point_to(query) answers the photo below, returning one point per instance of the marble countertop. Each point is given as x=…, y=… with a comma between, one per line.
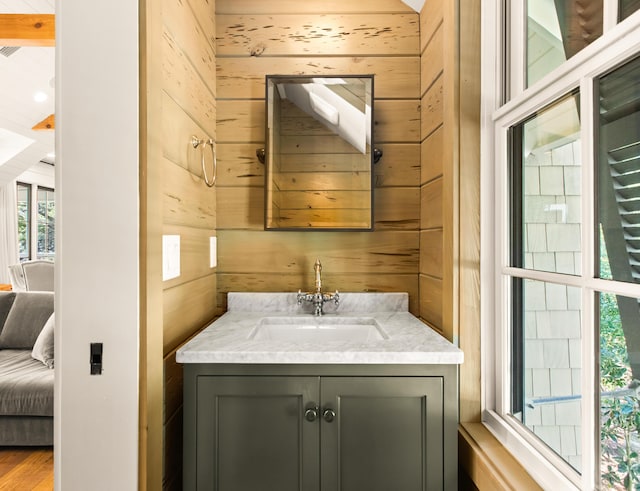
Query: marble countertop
x=229, y=339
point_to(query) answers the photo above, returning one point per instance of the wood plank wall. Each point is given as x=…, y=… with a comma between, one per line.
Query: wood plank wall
x=189, y=207
x=179, y=101
x=450, y=206
x=256, y=38
x=433, y=249
x=469, y=223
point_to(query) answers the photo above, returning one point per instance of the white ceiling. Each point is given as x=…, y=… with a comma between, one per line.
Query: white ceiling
x=22, y=74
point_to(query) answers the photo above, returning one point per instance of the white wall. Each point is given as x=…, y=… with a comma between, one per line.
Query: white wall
x=97, y=264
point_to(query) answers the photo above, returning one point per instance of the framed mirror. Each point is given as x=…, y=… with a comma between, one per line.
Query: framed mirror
x=319, y=153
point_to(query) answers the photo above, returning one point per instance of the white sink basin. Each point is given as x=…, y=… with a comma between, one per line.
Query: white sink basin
x=318, y=329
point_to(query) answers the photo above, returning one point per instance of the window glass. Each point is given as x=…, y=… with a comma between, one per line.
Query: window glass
x=626, y=8
x=619, y=379
x=24, y=221
x=546, y=176
x=618, y=173
x=46, y=223
x=557, y=30
x=547, y=365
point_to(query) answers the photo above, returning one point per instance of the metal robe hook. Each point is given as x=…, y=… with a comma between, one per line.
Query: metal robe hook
x=196, y=142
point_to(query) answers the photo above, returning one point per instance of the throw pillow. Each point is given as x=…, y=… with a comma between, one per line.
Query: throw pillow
x=28, y=314
x=43, y=347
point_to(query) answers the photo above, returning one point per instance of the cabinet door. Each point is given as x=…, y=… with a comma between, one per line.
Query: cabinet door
x=382, y=433
x=252, y=434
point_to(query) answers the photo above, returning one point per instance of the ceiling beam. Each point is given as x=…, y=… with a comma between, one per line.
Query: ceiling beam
x=47, y=123
x=27, y=30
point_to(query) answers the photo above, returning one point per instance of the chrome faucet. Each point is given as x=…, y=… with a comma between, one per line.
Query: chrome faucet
x=318, y=298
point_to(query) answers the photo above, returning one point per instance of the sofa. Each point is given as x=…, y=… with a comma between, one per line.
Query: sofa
x=26, y=368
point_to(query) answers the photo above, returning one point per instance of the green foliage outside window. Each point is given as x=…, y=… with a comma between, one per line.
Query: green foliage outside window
x=620, y=408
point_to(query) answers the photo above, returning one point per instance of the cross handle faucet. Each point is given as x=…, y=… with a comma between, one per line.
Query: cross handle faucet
x=318, y=298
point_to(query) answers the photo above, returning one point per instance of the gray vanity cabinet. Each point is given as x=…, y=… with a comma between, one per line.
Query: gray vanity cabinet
x=252, y=435
x=386, y=433
x=317, y=433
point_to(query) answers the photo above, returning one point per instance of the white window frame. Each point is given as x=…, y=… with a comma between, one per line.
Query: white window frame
x=34, y=187
x=618, y=43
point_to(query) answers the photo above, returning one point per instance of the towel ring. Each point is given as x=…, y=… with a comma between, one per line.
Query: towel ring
x=196, y=142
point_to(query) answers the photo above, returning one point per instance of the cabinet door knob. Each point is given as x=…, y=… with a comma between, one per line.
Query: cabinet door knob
x=329, y=415
x=311, y=414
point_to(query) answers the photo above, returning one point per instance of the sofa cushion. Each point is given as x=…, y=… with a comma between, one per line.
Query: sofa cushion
x=43, y=347
x=26, y=385
x=6, y=301
x=26, y=319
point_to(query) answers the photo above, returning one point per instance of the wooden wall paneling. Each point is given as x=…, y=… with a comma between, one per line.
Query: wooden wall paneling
x=332, y=280
x=432, y=62
x=177, y=129
x=181, y=21
x=431, y=155
x=295, y=6
x=432, y=108
x=469, y=324
x=399, y=165
x=430, y=19
x=432, y=205
x=240, y=207
x=395, y=77
x=173, y=382
x=431, y=253
x=396, y=121
x=186, y=199
x=172, y=417
x=150, y=416
x=450, y=175
x=241, y=121
x=397, y=208
x=238, y=165
x=434, y=163
x=329, y=34
x=187, y=76
x=187, y=308
x=255, y=260
x=194, y=253
x=356, y=252
x=431, y=297
x=204, y=12
x=185, y=85
x=172, y=468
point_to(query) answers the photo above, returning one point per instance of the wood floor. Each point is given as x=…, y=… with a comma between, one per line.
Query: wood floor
x=26, y=469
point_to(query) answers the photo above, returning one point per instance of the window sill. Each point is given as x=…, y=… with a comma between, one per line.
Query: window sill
x=488, y=463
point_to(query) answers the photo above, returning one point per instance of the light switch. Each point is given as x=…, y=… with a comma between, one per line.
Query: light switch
x=213, y=252
x=170, y=257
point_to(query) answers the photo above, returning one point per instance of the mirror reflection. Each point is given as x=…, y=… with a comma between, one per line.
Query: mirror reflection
x=319, y=153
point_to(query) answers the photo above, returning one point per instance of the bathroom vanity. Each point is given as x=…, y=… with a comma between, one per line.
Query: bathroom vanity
x=364, y=397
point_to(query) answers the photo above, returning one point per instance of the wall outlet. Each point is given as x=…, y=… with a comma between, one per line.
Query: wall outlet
x=170, y=257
